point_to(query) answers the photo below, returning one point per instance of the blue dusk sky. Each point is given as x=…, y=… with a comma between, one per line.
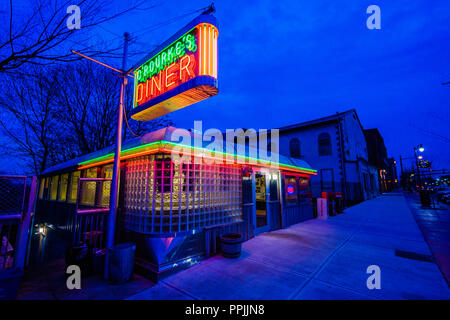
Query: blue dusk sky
x=284, y=62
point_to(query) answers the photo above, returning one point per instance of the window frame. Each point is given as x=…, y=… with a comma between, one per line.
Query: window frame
x=54, y=184
x=62, y=190
x=321, y=145
x=298, y=153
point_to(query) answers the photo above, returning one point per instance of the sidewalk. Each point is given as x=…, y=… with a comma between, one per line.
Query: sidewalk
x=320, y=259
x=315, y=259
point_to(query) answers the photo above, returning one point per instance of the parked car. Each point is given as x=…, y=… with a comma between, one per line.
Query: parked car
x=446, y=198
x=442, y=192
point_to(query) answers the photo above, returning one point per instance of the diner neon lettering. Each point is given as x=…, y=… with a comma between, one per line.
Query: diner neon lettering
x=186, y=44
x=166, y=79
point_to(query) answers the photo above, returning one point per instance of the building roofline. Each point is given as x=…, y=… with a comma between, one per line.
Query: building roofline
x=374, y=131
x=320, y=121
x=159, y=141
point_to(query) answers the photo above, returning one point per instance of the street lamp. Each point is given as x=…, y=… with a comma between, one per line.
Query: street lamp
x=419, y=148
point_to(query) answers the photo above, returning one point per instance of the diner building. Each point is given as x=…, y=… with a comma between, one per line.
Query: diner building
x=174, y=211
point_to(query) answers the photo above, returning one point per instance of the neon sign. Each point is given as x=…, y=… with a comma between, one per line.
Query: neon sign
x=290, y=189
x=181, y=72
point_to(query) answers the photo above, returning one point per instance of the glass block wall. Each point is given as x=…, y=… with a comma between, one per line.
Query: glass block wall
x=161, y=196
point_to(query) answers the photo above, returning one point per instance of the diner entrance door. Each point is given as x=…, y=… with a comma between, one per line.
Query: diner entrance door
x=261, y=203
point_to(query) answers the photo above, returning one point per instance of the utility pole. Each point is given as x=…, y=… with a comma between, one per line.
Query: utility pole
x=401, y=164
x=114, y=199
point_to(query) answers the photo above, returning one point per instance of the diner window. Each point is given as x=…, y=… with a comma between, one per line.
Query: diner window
x=290, y=185
x=63, y=187
x=304, y=190
x=41, y=188
x=106, y=185
x=46, y=188
x=324, y=142
x=294, y=148
x=89, y=188
x=54, y=187
x=74, y=186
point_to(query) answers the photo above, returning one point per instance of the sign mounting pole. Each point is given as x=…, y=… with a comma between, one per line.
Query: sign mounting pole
x=114, y=200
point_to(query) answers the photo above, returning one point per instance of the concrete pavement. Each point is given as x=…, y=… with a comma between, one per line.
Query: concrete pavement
x=320, y=259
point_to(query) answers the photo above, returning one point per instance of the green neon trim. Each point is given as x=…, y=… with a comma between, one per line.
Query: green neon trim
x=123, y=152
x=162, y=142
x=96, y=159
x=143, y=146
x=239, y=156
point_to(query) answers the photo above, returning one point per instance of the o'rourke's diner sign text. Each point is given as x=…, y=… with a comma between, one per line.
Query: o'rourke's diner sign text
x=182, y=71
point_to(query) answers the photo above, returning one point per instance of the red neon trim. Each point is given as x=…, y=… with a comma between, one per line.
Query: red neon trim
x=206, y=50
x=133, y=155
x=296, y=174
x=215, y=54
x=211, y=52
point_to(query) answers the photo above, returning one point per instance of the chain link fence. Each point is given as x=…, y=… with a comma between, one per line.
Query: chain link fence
x=13, y=191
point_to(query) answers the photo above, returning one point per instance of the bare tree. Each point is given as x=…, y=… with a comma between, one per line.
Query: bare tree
x=135, y=128
x=63, y=112
x=89, y=96
x=28, y=118
x=40, y=35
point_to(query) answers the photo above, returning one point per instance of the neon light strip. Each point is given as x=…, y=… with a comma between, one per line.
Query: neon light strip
x=123, y=152
x=216, y=57
x=204, y=49
x=162, y=143
x=200, y=51
x=134, y=155
x=158, y=146
x=209, y=51
x=295, y=174
x=215, y=53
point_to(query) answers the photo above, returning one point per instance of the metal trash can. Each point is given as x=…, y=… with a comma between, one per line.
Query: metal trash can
x=9, y=283
x=231, y=244
x=121, y=262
